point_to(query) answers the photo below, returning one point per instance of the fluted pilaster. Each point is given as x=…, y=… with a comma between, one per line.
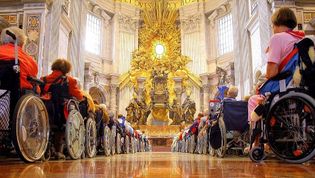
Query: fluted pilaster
x=241, y=45
x=113, y=93
x=76, y=52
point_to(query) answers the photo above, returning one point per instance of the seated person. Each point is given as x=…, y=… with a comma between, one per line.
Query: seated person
x=66, y=89
x=231, y=94
x=121, y=119
x=28, y=66
x=60, y=68
x=194, y=127
x=280, y=46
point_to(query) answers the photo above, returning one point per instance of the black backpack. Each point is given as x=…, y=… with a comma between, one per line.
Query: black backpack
x=59, y=88
x=308, y=73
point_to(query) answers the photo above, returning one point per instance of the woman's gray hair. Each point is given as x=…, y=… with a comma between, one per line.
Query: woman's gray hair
x=19, y=33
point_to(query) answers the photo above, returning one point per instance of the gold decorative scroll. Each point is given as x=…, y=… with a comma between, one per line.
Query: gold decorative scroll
x=148, y=4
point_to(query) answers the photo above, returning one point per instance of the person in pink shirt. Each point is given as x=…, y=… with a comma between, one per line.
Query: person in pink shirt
x=280, y=46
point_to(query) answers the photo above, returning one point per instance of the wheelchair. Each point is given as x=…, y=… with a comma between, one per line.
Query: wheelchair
x=129, y=140
x=175, y=144
x=90, y=128
x=66, y=121
x=119, y=139
x=228, y=127
x=288, y=127
x=202, y=146
x=147, y=145
x=114, y=136
x=75, y=131
x=184, y=141
x=103, y=134
x=288, y=118
x=24, y=118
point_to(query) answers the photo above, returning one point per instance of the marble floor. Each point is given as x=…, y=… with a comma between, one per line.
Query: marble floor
x=156, y=164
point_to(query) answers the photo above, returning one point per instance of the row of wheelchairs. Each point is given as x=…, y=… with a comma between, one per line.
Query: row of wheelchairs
x=222, y=131
x=32, y=129
x=34, y=126
x=287, y=127
x=286, y=122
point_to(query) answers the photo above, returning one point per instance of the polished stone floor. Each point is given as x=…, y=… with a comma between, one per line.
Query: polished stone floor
x=155, y=164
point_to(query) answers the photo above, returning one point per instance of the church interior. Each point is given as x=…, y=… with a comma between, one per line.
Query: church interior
x=157, y=88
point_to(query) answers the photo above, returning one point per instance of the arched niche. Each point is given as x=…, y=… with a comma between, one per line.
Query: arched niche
x=99, y=94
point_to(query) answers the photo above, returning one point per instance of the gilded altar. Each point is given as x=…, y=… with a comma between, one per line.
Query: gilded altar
x=158, y=62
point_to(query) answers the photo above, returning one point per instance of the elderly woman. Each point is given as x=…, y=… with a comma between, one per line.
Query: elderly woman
x=28, y=66
x=280, y=46
x=61, y=67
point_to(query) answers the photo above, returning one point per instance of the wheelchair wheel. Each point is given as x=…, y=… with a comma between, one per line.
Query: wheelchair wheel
x=118, y=143
x=204, y=145
x=290, y=127
x=106, y=141
x=90, y=138
x=217, y=134
x=211, y=151
x=113, y=140
x=75, y=134
x=257, y=154
x=192, y=144
x=30, y=129
x=136, y=142
x=127, y=144
x=142, y=145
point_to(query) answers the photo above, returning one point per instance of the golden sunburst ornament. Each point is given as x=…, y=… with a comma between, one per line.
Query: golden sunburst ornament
x=159, y=49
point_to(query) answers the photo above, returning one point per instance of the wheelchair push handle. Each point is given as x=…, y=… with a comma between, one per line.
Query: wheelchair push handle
x=12, y=35
x=35, y=80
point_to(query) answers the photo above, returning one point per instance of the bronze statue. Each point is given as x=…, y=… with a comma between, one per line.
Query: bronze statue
x=133, y=110
x=144, y=111
x=189, y=109
x=137, y=111
x=175, y=113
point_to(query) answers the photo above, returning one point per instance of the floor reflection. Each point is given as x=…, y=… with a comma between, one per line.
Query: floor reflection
x=155, y=165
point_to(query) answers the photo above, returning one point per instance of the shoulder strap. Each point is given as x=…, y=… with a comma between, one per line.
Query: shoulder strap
x=58, y=78
x=287, y=59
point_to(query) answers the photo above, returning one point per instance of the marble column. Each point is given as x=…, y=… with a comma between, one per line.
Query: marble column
x=52, y=27
x=205, y=91
x=113, y=93
x=76, y=51
x=178, y=88
x=241, y=46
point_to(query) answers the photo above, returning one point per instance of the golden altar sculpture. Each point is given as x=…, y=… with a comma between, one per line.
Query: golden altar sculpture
x=158, y=59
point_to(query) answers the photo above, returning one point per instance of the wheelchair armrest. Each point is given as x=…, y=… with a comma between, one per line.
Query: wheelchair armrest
x=35, y=81
x=281, y=75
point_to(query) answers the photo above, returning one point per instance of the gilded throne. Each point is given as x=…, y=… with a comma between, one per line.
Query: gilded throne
x=159, y=99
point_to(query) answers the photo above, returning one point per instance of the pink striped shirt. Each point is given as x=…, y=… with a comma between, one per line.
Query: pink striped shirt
x=280, y=45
